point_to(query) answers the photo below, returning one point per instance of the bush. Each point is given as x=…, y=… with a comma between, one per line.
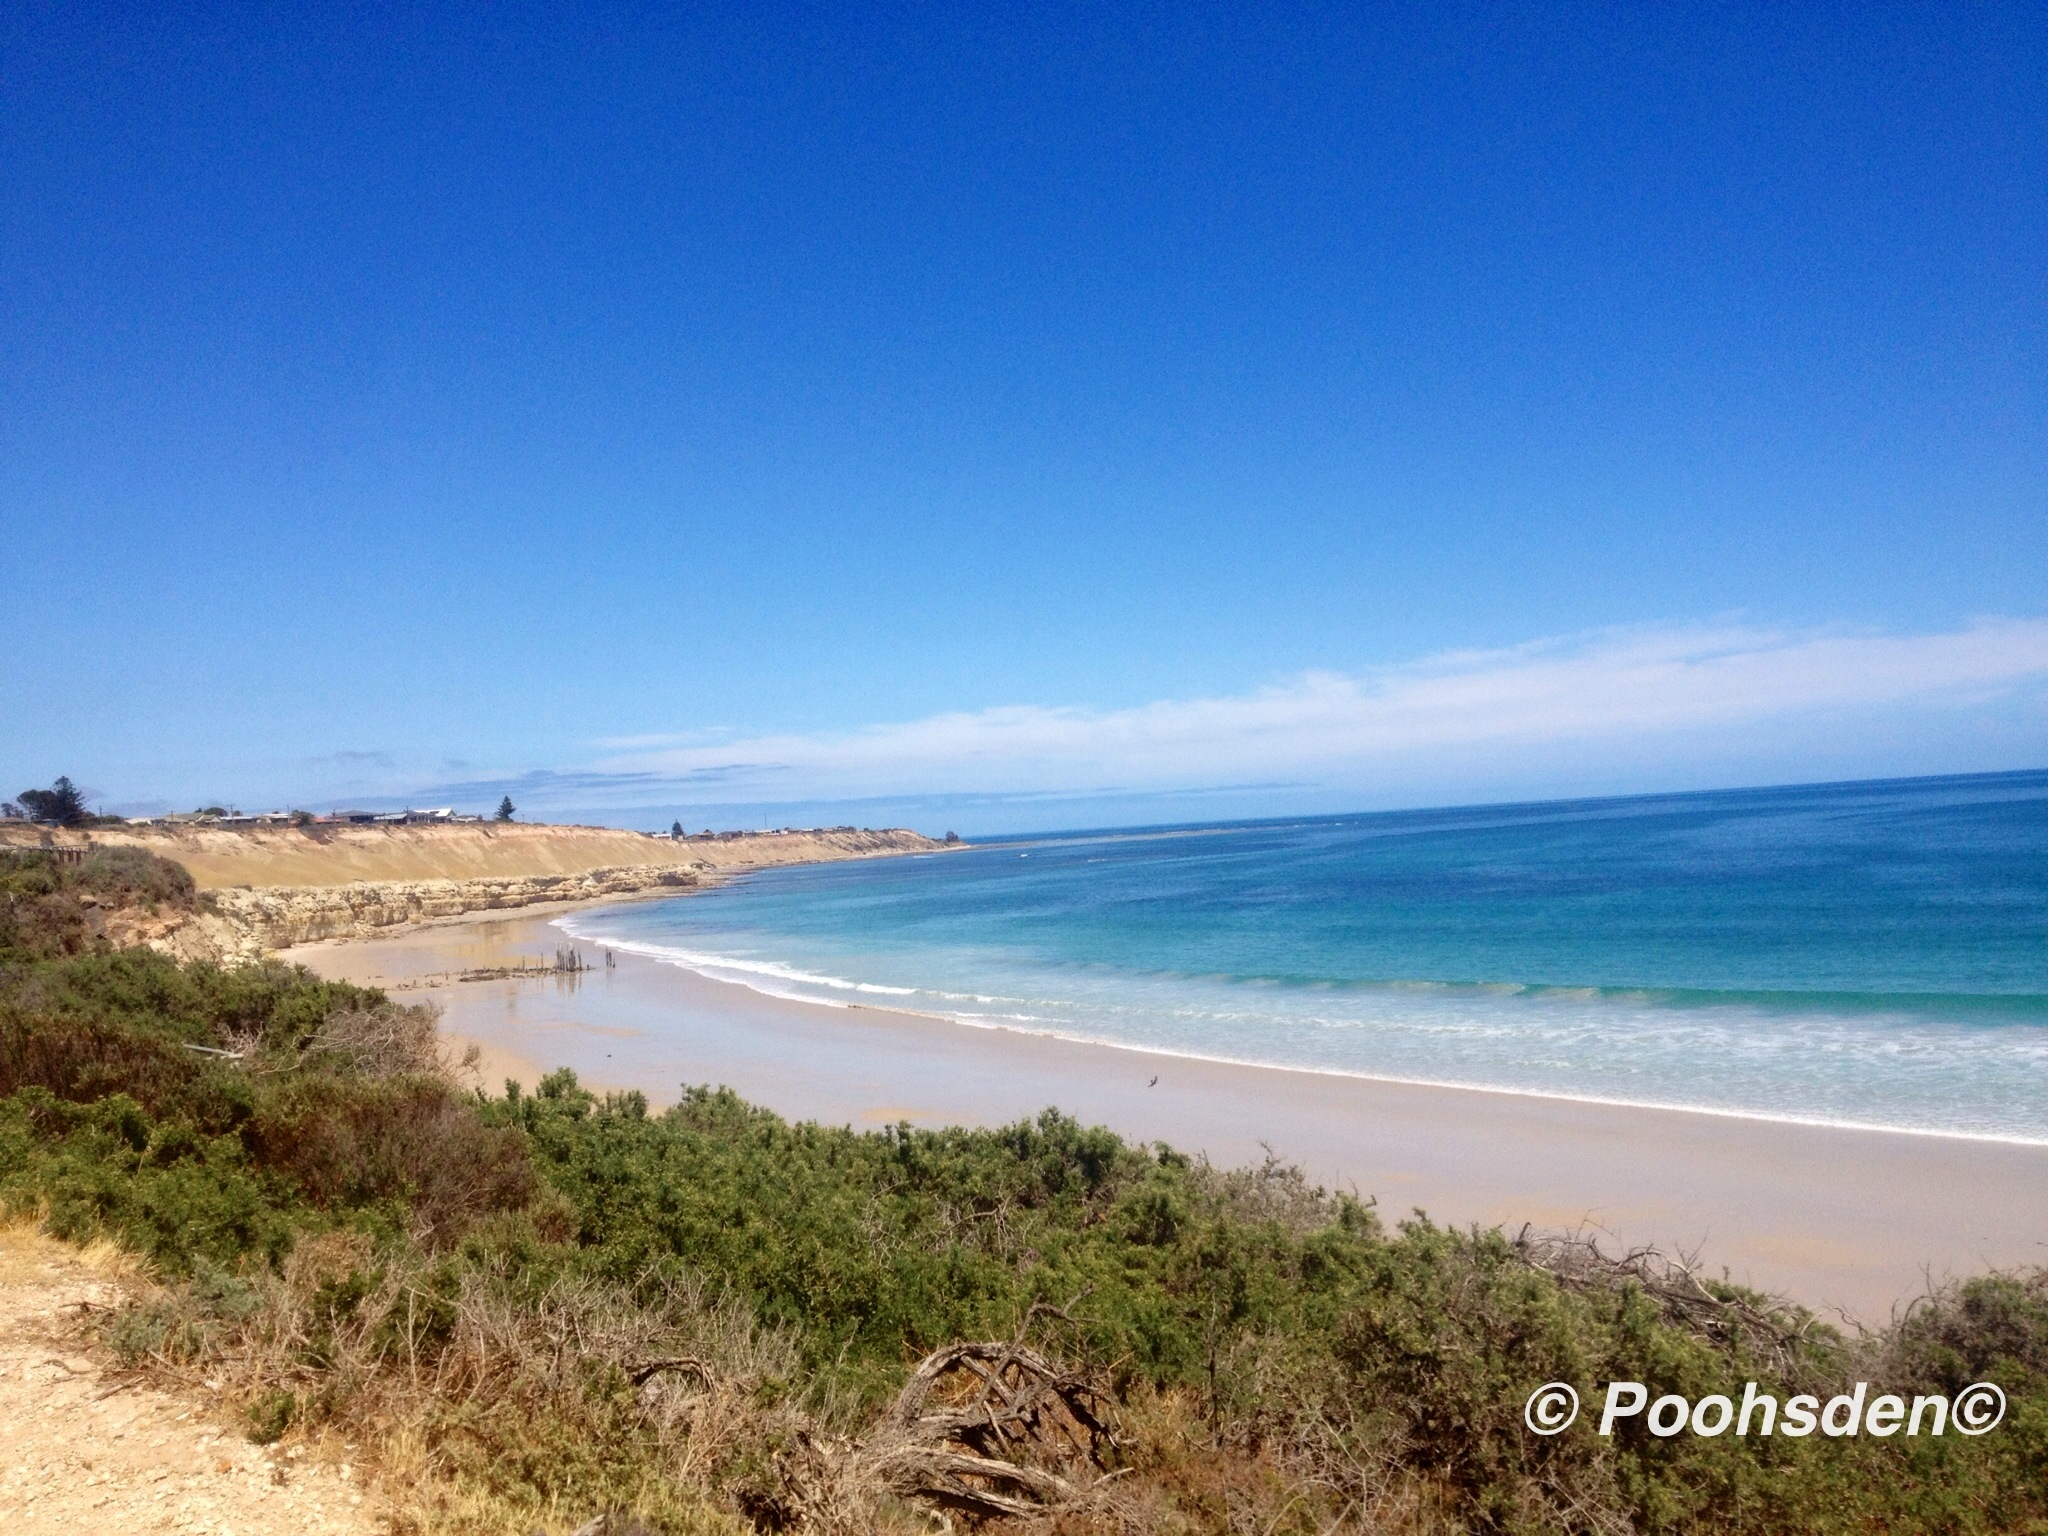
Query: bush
x=562, y=1300
x=129, y=877
x=49, y=907
x=209, y=1114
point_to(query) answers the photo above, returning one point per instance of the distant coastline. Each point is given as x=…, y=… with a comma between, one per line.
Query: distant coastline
x=273, y=886
x=220, y=857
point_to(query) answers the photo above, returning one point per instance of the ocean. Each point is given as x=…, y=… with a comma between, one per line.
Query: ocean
x=1867, y=954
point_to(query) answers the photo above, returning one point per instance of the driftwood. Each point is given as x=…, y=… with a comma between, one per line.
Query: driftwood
x=980, y=1429
x=990, y=1429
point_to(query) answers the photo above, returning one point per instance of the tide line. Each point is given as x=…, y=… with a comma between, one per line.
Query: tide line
x=755, y=976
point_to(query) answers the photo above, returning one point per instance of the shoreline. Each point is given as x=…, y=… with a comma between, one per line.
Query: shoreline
x=1854, y=1219
x=1168, y=1054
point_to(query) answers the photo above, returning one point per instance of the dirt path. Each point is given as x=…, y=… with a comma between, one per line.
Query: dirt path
x=83, y=1450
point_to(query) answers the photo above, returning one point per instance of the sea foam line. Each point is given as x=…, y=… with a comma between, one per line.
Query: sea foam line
x=707, y=965
x=695, y=960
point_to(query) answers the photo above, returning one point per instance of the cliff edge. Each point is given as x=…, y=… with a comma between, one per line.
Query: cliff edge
x=261, y=857
x=268, y=888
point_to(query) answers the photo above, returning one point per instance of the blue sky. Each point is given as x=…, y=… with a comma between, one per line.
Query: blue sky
x=1018, y=416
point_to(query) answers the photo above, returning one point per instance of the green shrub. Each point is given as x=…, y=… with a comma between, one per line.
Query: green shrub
x=343, y=1224
x=48, y=907
x=271, y=1415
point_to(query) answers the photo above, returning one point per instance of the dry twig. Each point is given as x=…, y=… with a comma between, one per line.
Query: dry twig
x=990, y=1429
x=1773, y=1330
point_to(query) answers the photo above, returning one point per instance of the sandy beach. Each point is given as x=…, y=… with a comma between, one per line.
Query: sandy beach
x=1854, y=1220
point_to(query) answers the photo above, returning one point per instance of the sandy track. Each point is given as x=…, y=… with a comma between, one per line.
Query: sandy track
x=83, y=1448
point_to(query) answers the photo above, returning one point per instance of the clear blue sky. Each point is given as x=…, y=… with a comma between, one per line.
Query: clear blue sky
x=727, y=413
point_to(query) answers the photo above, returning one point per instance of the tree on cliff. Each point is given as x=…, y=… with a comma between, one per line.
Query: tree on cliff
x=675, y=829
x=60, y=805
x=506, y=808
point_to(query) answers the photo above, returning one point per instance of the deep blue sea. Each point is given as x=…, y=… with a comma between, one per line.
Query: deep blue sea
x=1867, y=954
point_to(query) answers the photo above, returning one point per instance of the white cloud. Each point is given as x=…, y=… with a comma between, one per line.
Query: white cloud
x=1614, y=688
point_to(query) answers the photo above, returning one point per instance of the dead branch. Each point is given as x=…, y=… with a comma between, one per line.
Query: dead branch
x=640, y=1375
x=990, y=1429
x=1774, y=1330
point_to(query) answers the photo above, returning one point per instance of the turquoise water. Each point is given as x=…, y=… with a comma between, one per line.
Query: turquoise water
x=1866, y=954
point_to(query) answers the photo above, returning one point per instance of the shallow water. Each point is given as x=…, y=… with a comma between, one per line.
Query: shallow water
x=1866, y=954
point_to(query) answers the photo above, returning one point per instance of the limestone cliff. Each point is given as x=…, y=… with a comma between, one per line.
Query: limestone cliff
x=299, y=886
x=222, y=857
x=285, y=915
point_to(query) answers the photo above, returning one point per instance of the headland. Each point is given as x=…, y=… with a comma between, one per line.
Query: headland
x=267, y=888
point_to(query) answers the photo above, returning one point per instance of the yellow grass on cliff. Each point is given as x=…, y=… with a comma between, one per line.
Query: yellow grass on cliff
x=264, y=857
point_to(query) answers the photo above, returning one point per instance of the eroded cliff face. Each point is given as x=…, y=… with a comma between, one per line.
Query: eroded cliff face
x=238, y=922
x=222, y=858
x=283, y=916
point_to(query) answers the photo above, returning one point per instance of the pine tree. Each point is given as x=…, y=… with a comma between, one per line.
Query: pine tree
x=60, y=805
x=506, y=808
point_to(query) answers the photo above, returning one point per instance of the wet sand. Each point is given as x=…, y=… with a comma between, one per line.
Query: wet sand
x=1856, y=1220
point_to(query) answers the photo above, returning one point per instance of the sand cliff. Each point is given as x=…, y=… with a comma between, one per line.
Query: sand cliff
x=269, y=888
x=337, y=855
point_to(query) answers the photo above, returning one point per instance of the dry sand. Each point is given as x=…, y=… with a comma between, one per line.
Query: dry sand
x=85, y=1450
x=1852, y=1219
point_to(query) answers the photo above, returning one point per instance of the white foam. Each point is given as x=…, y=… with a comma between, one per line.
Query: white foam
x=1547, y=1033
x=698, y=961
